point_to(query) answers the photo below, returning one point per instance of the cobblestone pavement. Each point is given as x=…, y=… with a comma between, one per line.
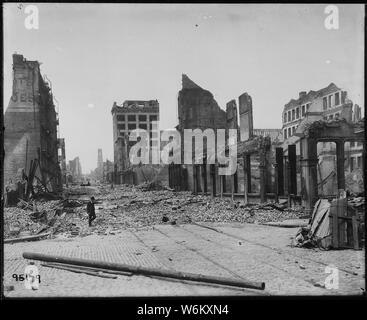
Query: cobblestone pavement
x=245, y=251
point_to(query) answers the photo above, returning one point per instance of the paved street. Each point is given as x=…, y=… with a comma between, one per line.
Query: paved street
x=248, y=251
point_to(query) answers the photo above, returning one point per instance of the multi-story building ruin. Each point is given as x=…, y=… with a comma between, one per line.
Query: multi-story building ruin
x=197, y=109
x=131, y=115
x=327, y=104
x=75, y=171
x=31, y=123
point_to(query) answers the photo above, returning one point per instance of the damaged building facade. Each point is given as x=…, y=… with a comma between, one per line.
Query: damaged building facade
x=131, y=115
x=197, y=109
x=269, y=161
x=30, y=136
x=328, y=104
x=108, y=172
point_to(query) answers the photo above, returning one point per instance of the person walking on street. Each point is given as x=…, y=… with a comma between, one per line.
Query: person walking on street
x=91, y=210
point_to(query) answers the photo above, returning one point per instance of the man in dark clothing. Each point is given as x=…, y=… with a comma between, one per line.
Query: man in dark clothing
x=91, y=211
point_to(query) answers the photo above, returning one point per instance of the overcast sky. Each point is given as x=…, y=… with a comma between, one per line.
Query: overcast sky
x=95, y=54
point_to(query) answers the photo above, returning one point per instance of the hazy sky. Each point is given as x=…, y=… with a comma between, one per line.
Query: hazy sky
x=95, y=54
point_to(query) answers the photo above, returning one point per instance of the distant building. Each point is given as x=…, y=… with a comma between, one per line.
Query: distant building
x=99, y=171
x=75, y=170
x=274, y=134
x=132, y=114
x=108, y=171
x=31, y=122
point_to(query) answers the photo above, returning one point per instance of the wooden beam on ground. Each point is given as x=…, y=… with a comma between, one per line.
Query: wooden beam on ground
x=146, y=271
x=29, y=238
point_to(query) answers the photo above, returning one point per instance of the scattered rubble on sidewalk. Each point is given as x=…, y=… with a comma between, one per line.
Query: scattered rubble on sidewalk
x=130, y=206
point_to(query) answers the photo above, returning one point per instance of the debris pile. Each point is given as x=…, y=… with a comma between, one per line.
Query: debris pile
x=152, y=185
x=319, y=232
x=34, y=218
x=131, y=207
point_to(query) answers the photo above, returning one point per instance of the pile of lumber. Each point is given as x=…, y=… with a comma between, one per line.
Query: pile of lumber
x=332, y=225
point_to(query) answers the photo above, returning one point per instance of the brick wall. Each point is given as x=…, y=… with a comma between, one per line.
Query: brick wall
x=30, y=125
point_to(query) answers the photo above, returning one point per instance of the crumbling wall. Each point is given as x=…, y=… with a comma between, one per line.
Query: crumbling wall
x=49, y=162
x=246, y=119
x=22, y=135
x=31, y=126
x=197, y=108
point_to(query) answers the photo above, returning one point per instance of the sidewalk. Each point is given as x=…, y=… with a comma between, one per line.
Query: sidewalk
x=253, y=252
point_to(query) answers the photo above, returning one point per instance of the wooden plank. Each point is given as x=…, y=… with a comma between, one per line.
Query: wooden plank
x=232, y=188
x=213, y=182
x=355, y=233
x=341, y=223
x=76, y=270
x=335, y=231
x=245, y=177
x=221, y=186
x=29, y=238
x=334, y=224
x=194, y=178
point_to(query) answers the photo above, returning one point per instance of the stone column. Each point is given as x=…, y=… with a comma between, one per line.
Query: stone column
x=248, y=172
x=194, y=176
x=204, y=177
x=279, y=170
x=236, y=181
x=309, y=162
x=276, y=185
x=232, y=188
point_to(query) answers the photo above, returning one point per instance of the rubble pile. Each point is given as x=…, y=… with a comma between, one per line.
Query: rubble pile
x=129, y=206
x=152, y=185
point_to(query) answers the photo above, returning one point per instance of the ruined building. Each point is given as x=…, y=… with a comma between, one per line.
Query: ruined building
x=132, y=114
x=74, y=171
x=31, y=121
x=197, y=108
x=108, y=171
x=328, y=104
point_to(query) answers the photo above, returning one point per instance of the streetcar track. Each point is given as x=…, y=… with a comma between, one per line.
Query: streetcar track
x=203, y=256
x=271, y=248
x=187, y=285
x=256, y=259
